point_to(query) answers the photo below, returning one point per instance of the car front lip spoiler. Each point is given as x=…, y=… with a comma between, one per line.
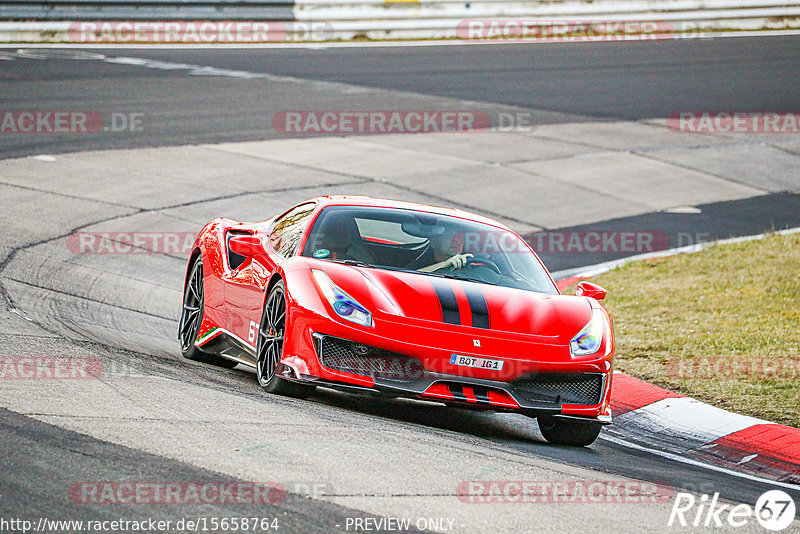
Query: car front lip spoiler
x=416, y=387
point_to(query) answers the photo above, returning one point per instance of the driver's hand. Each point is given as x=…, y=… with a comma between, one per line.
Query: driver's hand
x=457, y=262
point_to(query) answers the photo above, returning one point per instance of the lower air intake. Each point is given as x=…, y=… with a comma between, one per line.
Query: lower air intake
x=583, y=388
x=343, y=355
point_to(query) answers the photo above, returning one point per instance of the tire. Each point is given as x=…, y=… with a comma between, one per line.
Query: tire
x=568, y=432
x=269, y=347
x=192, y=317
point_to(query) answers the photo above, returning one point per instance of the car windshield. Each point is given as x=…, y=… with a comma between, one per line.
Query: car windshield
x=426, y=243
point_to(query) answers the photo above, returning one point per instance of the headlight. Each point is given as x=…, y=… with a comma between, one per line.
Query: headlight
x=588, y=340
x=343, y=304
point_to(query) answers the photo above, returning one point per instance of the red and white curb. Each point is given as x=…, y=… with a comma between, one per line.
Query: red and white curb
x=658, y=419
x=684, y=429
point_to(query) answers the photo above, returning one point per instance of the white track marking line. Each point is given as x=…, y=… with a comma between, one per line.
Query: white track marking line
x=697, y=463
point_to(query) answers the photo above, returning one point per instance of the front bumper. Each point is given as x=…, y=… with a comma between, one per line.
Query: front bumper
x=413, y=369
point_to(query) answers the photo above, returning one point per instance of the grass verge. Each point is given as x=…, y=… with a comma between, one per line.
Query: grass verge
x=721, y=325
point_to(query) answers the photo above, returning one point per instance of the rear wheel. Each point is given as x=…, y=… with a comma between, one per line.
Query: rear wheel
x=269, y=347
x=568, y=431
x=192, y=317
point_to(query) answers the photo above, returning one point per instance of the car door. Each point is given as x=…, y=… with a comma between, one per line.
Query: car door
x=248, y=274
x=242, y=298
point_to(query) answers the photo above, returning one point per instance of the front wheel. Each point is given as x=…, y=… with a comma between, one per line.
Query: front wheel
x=269, y=347
x=568, y=431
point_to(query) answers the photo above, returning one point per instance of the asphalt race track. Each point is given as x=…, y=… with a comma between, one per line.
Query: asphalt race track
x=555, y=83
x=152, y=416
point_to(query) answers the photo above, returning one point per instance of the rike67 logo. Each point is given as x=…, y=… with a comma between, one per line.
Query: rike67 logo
x=774, y=510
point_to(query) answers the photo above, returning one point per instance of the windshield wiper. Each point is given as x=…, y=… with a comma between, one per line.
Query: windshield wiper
x=355, y=263
x=468, y=279
x=444, y=275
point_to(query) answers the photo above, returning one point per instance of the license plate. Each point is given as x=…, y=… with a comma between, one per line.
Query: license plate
x=479, y=363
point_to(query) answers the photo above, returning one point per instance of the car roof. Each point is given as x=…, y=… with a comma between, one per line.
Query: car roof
x=357, y=200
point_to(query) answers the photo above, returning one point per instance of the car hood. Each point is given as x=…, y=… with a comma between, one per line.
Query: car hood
x=450, y=303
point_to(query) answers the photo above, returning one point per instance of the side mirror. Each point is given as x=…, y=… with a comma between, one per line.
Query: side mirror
x=246, y=245
x=588, y=289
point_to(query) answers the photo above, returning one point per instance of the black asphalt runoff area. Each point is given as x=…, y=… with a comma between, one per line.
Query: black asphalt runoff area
x=655, y=231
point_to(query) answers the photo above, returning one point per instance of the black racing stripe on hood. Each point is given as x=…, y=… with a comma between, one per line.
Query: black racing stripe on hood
x=477, y=303
x=448, y=302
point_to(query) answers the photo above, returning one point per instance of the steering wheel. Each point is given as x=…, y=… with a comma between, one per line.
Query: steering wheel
x=484, y=261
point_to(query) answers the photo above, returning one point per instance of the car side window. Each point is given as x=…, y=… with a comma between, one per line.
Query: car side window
x=287, y=229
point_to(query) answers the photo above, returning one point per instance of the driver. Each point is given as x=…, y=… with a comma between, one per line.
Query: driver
x=446, y=252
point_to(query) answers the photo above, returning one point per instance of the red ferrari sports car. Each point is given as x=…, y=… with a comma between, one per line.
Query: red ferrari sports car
x=401, y=300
